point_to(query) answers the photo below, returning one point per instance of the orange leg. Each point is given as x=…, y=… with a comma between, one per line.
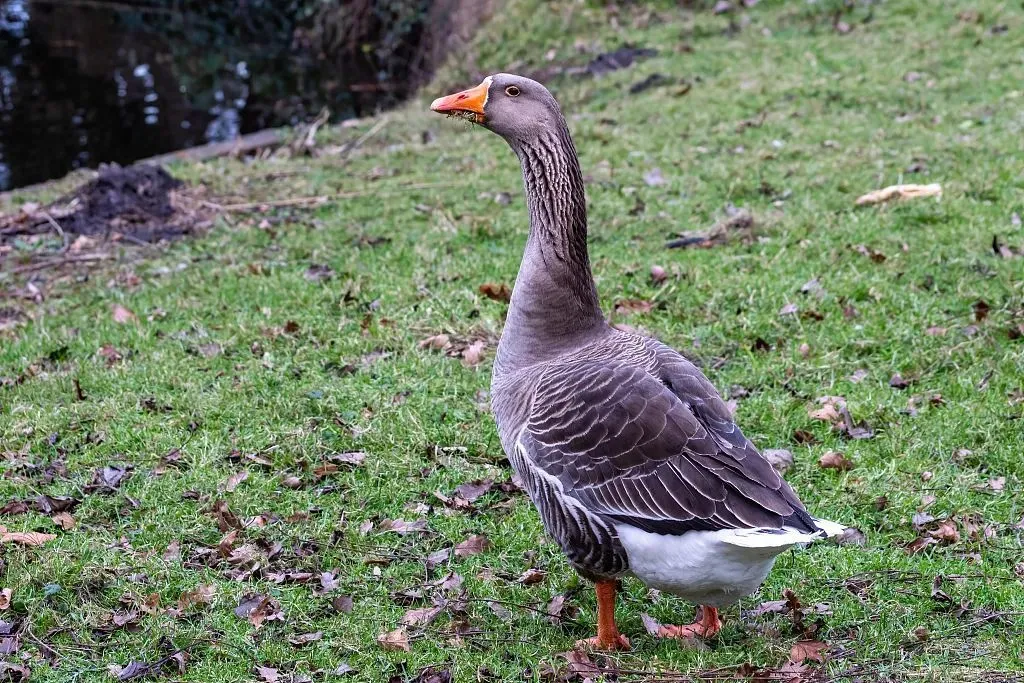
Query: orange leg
x=707, y=625
x=608, y=636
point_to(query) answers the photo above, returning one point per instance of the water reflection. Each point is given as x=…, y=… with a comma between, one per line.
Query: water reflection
x=84, y=81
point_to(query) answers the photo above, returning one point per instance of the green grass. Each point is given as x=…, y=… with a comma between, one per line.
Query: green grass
x=302, y=370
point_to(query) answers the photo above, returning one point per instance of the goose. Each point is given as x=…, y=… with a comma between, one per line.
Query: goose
x=624, y=447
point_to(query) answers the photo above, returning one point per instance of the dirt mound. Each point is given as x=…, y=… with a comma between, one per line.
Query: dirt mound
x=136, y=204
x=134, y=200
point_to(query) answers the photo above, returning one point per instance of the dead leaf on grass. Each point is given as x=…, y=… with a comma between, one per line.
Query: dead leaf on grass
x=496, y=292
x=779, y=458
x=305, y=638
x=474, y=353
x=232, y=482
x=26, y=538
x=403, y=527
x=908, y=191
x=343, y=604
x=397, y=640
x=474, y=545
x=626, y=307
x=122, y=315
x=833, y=460
x=5, y=598
x=804, y=650
x=64, y=520
x=421, y=616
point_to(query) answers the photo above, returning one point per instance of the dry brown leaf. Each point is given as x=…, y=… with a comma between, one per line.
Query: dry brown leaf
x=232, y=482
x=803, y=650
x=394, y=640
x=496, y=292
x=909, y=191
x=474, y=353
x=946, y=532
x=532, y=576
x=122, y=315
x=64, y=520
x=833, y=460
x=630, y=306
x=29, y=538
x=474, y=545
x=436, y=342
x=420, y=616
x=305, y=638
x=202, y=594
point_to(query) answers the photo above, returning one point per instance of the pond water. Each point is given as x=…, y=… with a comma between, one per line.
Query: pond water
x=90, y=81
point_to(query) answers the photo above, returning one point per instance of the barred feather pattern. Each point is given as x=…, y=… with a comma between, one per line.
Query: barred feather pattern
x=629, y=431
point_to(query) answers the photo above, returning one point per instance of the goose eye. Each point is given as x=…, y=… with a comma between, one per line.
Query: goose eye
x=512, y=91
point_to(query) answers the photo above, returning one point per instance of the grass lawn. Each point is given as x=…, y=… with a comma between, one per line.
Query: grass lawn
x=207, y=441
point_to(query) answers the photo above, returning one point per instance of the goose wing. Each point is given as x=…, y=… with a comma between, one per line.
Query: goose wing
x=658, y=452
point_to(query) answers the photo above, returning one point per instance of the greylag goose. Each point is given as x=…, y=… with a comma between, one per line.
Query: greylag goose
x=624, y=446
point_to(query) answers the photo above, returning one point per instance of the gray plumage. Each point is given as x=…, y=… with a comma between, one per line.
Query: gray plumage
x=606, y=428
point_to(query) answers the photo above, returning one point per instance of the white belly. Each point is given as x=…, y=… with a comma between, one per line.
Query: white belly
x=714, y=568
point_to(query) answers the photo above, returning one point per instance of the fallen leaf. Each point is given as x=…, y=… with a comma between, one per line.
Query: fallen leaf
x=436, y=342
x=27, y=538
x=629, y=306
x=14, y=507
x=859, y=376
x=833, y=460
x=789, y=309
x=803, y=650
x=897, y=382
x=779, y=458
x=919, y=544
x=433, y=674
x=909, y=191
x=64, y=520
x=350, y=458
x=658, y=274
x=438, y=557
x=946, y=532
x=232, y=482
x=421, y=616
x=394, y=640
x=532, y=576
x=499, y=610
x=997, y=483
x=935, y=331
x=474, y=353
x=268, y=674
x=259, y=608
x=343, y=604
x=654, y=178
x=5, y=598
x=202, y=594
x=122, y=315
x=402, y=527
x=474, y=545
x=850, y=536
x=496, y=292
x=305, y=638
x=472, y=490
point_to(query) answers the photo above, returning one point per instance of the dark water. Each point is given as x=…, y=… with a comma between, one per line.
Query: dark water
x=90, y=81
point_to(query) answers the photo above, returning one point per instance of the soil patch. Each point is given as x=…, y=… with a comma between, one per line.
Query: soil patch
x=140, y=203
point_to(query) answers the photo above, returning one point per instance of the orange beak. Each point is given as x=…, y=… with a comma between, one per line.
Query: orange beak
x=469, y=103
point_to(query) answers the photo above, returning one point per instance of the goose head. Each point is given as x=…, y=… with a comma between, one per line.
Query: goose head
x=517, y=108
